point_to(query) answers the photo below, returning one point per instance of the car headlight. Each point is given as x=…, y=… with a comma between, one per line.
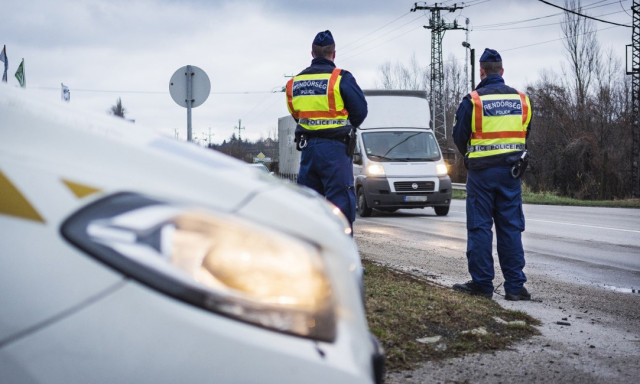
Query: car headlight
x=375, y=170
x=216, y=261
x=441, y=169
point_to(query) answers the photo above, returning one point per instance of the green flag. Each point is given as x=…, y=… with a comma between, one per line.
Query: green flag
x=5, y=60
x=20, y=74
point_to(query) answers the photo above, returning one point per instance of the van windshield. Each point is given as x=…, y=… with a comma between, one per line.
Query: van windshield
x=401, y=146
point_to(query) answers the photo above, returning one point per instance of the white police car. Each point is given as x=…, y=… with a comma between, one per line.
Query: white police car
x=128, y=257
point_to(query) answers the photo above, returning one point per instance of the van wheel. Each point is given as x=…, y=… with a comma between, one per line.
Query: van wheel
x=363, y=208
x=441, y=210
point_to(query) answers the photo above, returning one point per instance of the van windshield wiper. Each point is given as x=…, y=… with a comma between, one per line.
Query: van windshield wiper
x=379, y=157
x=417, y=159
x=402, y=141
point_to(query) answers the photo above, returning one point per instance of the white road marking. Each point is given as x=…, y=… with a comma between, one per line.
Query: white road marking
x=584, y=225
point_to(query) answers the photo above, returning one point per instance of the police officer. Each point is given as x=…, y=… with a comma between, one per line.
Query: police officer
x=491, y=127
x=327, y=104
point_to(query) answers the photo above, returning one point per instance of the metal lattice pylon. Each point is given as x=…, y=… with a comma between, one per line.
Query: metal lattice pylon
x=437, y=100
x=438, y=115
x=635, y=100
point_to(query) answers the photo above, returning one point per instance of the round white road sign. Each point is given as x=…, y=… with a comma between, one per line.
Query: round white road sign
x=179, y=86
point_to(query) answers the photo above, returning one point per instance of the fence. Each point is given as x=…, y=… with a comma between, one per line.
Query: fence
x=460, y=186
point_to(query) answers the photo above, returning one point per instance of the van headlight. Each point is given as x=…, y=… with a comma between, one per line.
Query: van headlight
x=441, y=169
x=213, y=260
x=375, y=170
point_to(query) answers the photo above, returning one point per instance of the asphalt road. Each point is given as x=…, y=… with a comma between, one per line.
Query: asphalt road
x=583, y=267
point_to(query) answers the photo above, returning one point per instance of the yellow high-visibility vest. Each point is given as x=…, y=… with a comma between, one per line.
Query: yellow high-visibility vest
x=315, y=100
x=498, y=124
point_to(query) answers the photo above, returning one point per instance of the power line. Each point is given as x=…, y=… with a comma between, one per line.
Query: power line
x=379, y=41
x=363, y=47
x=550, y=41
x=487, y=28
x=583, y=15
x=371, y=39
x=621, y=6
x=471, y=3
x=375, y=30
x=151, y=92
x=589, y=6
x=367, y=45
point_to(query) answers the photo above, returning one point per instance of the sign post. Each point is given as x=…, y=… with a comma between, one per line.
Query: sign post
x=189, y=87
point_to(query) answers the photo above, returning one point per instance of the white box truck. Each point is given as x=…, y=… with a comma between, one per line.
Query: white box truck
x=397, y=163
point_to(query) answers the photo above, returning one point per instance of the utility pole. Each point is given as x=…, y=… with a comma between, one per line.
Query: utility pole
x=635, y=100
x=467, y=45
x=239, y=128
x=208, y=140
x=438, y=28
x=469, y=60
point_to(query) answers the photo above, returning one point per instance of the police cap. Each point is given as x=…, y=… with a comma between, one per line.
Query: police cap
x=490, y=56
x=323, y=39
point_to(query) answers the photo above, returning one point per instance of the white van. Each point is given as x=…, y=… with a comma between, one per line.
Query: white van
x=397, y=162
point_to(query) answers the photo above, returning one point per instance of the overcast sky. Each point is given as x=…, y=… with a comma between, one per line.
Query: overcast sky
x=129, y=49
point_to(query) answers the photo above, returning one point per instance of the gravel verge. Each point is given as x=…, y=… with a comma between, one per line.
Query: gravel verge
x=589, y=333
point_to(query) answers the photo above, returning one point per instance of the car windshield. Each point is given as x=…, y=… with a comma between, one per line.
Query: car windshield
x=401, y=146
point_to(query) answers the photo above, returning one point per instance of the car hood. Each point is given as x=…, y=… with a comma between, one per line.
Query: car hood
x=55, y=159
x=97, y=155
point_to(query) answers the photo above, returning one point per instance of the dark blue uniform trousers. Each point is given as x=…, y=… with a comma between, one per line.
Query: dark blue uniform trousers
x=326, y=168
x=493, y=196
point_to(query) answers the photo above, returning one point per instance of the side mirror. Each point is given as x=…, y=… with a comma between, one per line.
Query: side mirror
x=357, y=158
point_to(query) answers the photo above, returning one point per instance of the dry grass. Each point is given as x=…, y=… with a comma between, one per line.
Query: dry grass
x=402, y=308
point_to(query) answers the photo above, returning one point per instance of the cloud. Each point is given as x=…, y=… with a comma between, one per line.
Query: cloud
x=130, y=48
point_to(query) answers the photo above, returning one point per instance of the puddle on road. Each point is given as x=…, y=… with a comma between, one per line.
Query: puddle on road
x=622, y=290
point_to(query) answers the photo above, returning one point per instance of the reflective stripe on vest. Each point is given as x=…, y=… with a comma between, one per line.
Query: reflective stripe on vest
x=499, y=123
x=315, y=100
x=493, y=147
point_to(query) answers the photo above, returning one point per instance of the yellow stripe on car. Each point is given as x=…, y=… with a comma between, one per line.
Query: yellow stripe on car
x=13, y=203
x=80, y=190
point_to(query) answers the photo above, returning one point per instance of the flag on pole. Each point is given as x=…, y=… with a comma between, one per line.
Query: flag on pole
x=66, y=94
x=5, y=60
x=20, y=74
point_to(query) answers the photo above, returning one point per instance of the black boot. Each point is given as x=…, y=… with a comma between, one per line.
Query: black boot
x=522, y=295
x=472, y=288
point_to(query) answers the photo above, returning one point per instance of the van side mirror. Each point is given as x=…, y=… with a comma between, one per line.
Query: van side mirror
x=357, y=158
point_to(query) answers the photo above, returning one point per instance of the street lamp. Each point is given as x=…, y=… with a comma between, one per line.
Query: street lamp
x=472, y=60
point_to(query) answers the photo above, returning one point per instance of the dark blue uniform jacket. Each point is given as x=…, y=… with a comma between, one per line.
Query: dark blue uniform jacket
x=492, y=84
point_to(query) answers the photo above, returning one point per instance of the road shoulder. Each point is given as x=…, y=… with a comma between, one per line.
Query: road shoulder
x=589, y=334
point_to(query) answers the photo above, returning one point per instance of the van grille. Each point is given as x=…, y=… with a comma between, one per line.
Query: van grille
x=407, y=186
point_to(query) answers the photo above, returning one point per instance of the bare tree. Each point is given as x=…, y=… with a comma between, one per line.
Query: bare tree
x=454, y=84
x=581, y=152
x=118, y=109
x=581, y=44
x=610, y=127
x=400, y=76
x=387, y=76
x=581, y=173
x=455, y=88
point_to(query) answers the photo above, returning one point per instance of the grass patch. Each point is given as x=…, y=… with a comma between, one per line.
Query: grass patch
x=549, y=198
x=553, y=199
x=402, y=308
